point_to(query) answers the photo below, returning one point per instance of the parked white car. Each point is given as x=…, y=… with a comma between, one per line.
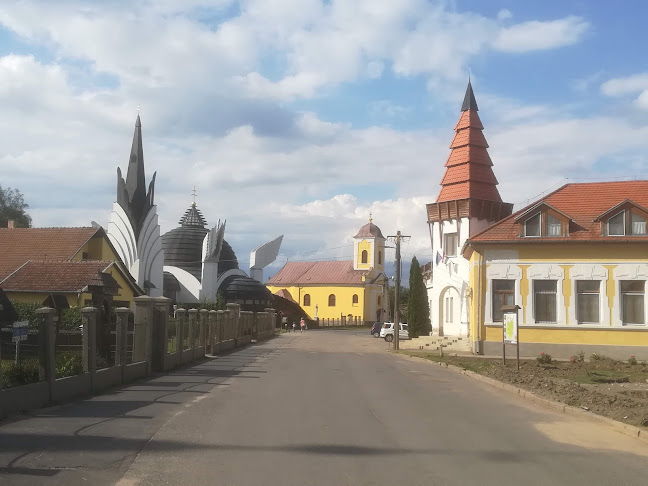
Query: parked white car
x=387, y=331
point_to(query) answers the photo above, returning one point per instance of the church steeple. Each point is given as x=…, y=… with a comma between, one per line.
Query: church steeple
x=469, y=102
x=131, y=194
x=468, y=169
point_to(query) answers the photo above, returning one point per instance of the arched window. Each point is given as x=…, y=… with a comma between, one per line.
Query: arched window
x=364, y=256
x=380, y=258
x=332, y=300
x=306, y=300
x=355, y=298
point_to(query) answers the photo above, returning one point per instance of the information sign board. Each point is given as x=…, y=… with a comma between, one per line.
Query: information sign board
x=510, y=327
x=20, y=330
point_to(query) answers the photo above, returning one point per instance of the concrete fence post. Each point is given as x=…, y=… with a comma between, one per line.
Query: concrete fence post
x=235, y=313
x=46, y=347
x=181, y=322
x=193, y=315
x=203, y=330
x=121, y=356
x=212, y=331
x=220, y=332
x=89, y=323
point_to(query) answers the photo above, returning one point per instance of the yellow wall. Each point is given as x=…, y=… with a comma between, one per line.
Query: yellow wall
x=601, y=254
x=365, y=245
x=604, y=336
x=319, y=294
x=97, y=248
x=39, y=298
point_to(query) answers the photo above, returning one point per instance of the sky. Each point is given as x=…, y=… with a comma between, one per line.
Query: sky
x=303, y=117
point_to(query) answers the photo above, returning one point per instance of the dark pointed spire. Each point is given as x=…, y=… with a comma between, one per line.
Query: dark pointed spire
x=135, y=178
x=469, y=102
x=131, y=194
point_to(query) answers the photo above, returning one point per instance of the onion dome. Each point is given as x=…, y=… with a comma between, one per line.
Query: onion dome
x=182, y=246
x=369, y=230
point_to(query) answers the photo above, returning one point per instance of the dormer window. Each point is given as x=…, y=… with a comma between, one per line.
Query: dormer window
x=532, y=226
x=543, y=221
x=625, y=219
x=554, y=227
x=638, y=225
x=616, y=224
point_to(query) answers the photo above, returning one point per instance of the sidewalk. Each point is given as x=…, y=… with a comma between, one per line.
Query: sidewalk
x=95, y=440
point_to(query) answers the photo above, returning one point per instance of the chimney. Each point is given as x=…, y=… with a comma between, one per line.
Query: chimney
x=10, y=224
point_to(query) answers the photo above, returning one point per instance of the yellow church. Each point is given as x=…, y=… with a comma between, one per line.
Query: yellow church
x=338, y=292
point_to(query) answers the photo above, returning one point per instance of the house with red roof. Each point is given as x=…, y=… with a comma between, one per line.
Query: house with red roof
x=63, y=267
x=576, y=263
x=341, y=291
x=468, y=203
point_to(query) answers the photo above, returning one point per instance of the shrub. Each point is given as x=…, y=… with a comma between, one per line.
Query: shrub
x=69, y=364
x=70, y=319
x=597, y=357
x=632, y=360
x=23, y=373
x=544, y=358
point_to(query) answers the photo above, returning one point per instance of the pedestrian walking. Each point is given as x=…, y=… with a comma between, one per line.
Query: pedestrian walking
x=302, y=324
x=294, y=327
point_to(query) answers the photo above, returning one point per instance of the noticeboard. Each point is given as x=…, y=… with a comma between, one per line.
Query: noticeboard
x=510, y=327
x=20, y=330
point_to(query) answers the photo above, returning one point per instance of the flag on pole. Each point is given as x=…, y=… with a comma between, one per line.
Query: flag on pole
x=438, y=258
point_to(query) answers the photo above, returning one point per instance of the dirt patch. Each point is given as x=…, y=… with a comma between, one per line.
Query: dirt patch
x=603, y=386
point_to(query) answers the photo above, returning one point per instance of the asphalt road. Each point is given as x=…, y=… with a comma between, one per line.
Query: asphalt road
x=318, y=408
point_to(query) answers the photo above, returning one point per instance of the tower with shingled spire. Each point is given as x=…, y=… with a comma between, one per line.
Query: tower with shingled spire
x=468, y=203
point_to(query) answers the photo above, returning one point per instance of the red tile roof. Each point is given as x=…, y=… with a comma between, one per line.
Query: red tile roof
x=583, y=202
x=18, y=245
x=39, y=276
x=311, y=273
x=285, y=294
x=469, y=173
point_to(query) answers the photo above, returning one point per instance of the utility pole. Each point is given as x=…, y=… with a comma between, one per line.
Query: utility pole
x=398, y=238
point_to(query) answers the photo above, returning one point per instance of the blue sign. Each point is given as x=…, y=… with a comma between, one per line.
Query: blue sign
x=20, y=330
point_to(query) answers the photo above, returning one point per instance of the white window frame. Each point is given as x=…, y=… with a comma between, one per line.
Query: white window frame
x=539, y=215
x=600, y=300
x=624, y=223
x=446, y=246
x=557, y=314
x=645, y=222
x=621, y=296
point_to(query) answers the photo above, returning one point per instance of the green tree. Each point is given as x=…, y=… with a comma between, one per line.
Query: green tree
x=13, y=207
x=403, y=297
x=418, y=310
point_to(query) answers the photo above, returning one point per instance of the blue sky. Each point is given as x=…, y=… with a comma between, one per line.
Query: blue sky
x=302, y=117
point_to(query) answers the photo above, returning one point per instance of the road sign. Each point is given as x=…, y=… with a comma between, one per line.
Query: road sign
x=20, y=330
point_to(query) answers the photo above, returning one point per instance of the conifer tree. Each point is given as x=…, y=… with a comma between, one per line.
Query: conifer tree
x=418, y=310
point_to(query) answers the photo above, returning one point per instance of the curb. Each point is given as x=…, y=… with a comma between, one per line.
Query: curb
x=625, y=429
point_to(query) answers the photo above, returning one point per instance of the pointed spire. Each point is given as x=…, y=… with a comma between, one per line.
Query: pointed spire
x=469, y=173
x=135, y=178
x=469, y=102
x=131, y=194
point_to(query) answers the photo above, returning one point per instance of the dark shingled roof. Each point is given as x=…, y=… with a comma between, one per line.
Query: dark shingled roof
x=370, y=230
x=469, y=102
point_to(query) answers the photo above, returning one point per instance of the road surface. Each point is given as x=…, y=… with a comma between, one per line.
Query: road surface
x=324, y=407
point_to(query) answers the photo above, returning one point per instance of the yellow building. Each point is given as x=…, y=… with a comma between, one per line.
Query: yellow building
x=63, y=267
x=576, y=263
x=341, y=291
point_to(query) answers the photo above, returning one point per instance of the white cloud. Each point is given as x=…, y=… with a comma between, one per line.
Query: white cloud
x=637, y=84
x=538, y=35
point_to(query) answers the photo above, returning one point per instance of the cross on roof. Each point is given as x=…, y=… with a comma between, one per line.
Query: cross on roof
x=194, y=194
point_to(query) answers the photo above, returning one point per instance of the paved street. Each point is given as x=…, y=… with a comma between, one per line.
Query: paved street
x=319, y=408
